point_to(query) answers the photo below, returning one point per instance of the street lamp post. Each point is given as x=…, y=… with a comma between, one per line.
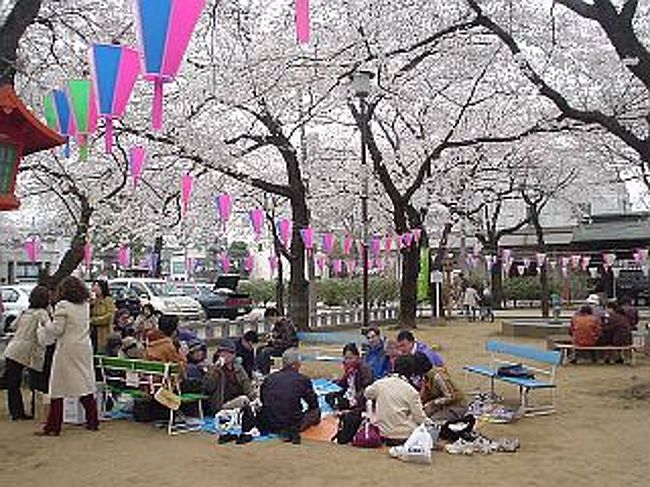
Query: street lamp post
x=360, y=86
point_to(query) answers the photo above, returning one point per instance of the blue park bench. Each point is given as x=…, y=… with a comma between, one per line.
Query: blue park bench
x=545, y=364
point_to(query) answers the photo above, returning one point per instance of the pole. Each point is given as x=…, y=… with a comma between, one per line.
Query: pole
x=364, y=210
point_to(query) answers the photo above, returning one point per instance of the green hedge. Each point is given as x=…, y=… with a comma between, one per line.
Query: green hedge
x=260, y=290
x=348, y=292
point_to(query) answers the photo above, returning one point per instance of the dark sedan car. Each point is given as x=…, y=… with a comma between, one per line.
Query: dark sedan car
x=220, y=300
x=125, y=297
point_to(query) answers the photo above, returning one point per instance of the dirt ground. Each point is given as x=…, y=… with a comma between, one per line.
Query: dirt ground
x=599, y=437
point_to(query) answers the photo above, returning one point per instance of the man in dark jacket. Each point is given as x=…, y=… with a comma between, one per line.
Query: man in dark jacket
x=283, y=337
x=282, y=394
x=246, y=351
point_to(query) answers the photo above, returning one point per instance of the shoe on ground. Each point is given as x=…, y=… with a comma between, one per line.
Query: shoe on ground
x=243, y=439
x=396, y=451
x=460, y=447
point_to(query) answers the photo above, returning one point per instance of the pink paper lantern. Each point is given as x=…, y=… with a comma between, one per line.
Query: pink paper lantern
x=489, y=262
x=375, y=245
x=351, y=265
x=541, y=259
x=303, y=29
x=388, y=244
x=32, y=248
x=307, y=235
x=417, y=234
x=328, y=243
x=187, y=185
x=88, y=254
x=609, y=259
x=224, y=206
x=506, y=254
x=575, y=261
x=273, y=263
x=565, y=261
x=224, y=260
x=337, y=266
x=585, y=262
x=124, y=256
x=347, y=244
x=321, y=260
x=164, y=31
x=526, y=263
x=284, y=229
x=257, y=221
x=137, y=157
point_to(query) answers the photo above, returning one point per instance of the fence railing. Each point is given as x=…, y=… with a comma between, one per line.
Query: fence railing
x=323, y=319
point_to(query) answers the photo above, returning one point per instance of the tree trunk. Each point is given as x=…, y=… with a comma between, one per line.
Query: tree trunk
x=19, y=19
x=408, y=287
x=298, y=286
x=279, y=288
x=437, y=265
x=75, y=254
x=543, y=277
x=541, y=248
x=157, y=252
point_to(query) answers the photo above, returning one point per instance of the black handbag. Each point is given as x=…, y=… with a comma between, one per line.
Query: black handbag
x=516, y=370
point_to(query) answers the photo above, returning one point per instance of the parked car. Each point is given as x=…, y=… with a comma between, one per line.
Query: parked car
x=164, y=296
x=15, y=298
x=219, y=300
x=125, y=297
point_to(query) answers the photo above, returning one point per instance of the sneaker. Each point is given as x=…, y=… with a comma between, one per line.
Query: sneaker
x=483, y=445
x=460, y=447
x=396, y=451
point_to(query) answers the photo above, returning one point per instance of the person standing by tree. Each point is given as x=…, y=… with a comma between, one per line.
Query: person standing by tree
x=102, y=314
x=73, y=374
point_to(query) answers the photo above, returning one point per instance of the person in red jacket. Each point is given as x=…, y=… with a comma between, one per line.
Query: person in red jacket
x=585, y=330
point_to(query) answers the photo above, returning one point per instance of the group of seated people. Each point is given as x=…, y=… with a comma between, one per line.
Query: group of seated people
x=598, y=323
x=405, y=379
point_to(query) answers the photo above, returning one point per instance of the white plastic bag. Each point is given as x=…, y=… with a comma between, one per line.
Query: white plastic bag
x=417, y=448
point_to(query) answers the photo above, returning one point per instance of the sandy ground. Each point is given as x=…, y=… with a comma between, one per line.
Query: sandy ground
x=599, y=437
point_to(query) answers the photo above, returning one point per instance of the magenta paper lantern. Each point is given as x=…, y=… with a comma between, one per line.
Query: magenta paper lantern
x=321, y=260
x=273, y=263
x=249, y=263
x=224, y=206
x=375, y=245
x=284, y=229
x=585, y=262
x=307, y=235
x=187, y=185
x=124, y=256
x=328, y=243
x=347, y=244
x=137, y=158
x=164, y=31
x=303, y=28
x=407, y=238
x=88, y=254
x=337, y=266
x=417, y=234
x=115, y=70
x=257, y=221
x=388, y=244
x=351, y=265
x=642, y=255
x=224, y=260
x=32, y=248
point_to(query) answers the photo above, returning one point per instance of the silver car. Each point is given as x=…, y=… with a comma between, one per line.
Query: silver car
x=15, y=298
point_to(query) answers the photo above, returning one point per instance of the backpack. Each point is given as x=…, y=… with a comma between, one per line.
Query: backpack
x=348, y=426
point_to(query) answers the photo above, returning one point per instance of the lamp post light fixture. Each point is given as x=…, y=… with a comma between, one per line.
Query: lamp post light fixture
x=360, y=88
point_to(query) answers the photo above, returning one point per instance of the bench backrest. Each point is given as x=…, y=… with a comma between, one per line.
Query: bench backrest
x=136, y=365
x=331, y=337
x=525, y=352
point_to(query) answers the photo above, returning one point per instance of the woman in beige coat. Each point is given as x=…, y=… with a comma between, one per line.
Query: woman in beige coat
x=25, y=349
x=102, y=315
x=73, y=374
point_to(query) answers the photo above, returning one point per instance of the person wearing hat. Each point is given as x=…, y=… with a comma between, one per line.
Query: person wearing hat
x=282, y=394
x=196, y=366
x=226, y=382
x=597, y=307
x=131, y=348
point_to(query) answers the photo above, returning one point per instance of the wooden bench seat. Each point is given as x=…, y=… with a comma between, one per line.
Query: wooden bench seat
x=628, y=350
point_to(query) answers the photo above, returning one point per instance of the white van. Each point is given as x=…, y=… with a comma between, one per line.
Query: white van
x=164, y=297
